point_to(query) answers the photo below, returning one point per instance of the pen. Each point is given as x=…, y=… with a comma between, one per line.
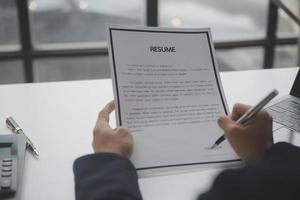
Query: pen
x=249, y=114
x=15, y=128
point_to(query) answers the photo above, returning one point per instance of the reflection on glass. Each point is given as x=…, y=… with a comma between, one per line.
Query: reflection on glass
x=240, y=59
x=9, y=34
x=69, y=21
x=293, y=5
x=286, y=26
x=228, y=19
x=78, y=68
x=11, y=72
x=286, y=56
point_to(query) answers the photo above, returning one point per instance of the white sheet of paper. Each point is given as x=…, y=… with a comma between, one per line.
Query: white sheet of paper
x=168, y=92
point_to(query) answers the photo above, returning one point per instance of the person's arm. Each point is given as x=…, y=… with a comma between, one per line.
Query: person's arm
x=276, y=176
x=105, y=176
x=108, y=174
x=271, y=171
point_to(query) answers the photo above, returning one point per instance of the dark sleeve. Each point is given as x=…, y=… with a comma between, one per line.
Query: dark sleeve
x=276, y=176
x=105, y=176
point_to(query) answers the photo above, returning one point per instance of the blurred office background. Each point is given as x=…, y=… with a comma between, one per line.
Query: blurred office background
x=57, y=40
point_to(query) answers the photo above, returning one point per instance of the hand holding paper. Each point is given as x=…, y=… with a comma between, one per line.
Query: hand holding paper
x=168, y=92
x=106, y=139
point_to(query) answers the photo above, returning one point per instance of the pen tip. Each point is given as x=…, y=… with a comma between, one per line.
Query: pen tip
x=213, y=146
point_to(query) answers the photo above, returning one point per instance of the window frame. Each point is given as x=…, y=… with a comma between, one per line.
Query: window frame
x=27, y=53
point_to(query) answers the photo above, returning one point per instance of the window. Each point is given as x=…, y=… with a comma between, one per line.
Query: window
x=286, y=26
x=80, y=21
x=61, y=69
x=65, y=39
x=9, y=34
x=11, y=72
x=228, y=19
x=286, y=56
x=240, y=59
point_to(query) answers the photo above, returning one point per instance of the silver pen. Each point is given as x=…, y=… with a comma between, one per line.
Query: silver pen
x=15, y=128
x=249, y=114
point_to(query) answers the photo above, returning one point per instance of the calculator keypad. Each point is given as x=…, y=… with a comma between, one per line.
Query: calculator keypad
x=6, y=173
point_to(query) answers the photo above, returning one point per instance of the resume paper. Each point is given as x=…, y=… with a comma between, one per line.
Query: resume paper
x=168, y=92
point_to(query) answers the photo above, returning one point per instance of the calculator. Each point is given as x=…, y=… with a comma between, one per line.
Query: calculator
x=12, y=154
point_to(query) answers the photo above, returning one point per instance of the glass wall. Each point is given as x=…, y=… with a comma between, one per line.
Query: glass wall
x=9, y=33
x=81, y=21
x=228, y=19
x=58, y=28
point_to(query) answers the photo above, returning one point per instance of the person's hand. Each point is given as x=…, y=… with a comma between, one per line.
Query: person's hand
x=251, y=140
x=106, y=139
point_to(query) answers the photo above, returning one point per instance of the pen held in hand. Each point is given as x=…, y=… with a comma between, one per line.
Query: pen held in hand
x=249, y=114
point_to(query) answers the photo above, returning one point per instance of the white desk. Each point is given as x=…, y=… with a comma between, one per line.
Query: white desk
x=59, y=118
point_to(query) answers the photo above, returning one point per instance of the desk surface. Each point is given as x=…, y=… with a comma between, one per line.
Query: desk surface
x=59, y=118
